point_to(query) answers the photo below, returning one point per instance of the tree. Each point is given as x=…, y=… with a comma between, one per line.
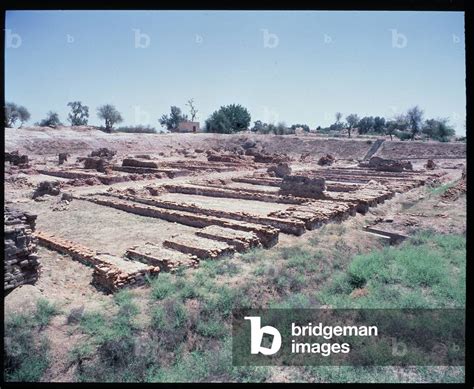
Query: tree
x=219, y=122
x=305, y=127
x=336, y=126
x=259, y=126
x=366, y=124
x=352, y=121
x=172, y=121
x=399, y=123
x=51, y=120
x=13, y=113
x=192, y=109
x=282, y=129
x=379, y=124
x=415, y=119
x=24, y=115
x=229, y=119
x=338, y=117
x=390, y=128
x=438, y=129
x=79, y=113
x=110, y=114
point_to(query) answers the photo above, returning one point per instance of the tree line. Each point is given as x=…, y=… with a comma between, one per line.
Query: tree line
x=79, y=115
x=236, y=118
x=404, y=126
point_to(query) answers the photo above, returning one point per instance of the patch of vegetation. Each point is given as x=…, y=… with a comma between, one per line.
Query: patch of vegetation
x=209, y=365
x=139, y=129
x=116, y=344
x=252, y=255
x=211, y=327
x=426, y=271
x=162, y=286
x=44, y=312
x=385, y=374
x=170, y=322
x=188, y=339
x=441, y=189
x=26, y=353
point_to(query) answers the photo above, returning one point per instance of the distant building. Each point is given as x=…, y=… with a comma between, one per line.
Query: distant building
x=187, y=126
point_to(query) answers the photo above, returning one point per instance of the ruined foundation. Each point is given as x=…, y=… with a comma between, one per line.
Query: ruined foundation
x=20, y=256
x=224, y=213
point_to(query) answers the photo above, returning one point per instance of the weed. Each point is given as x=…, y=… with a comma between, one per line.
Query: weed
x=253, y=255
x=44, y=312
x=25, y=356
x=162, y=286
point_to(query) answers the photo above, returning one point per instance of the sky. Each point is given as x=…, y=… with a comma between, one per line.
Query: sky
x=293, y=66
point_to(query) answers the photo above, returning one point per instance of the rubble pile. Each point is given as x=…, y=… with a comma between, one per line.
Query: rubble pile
x=303, y=186
x=387, y=165
x=52, y=188
x=62, y=157
x=281, y=170
x=103, y=152
x=14, y=158
x=326, y=160
x=430, y=165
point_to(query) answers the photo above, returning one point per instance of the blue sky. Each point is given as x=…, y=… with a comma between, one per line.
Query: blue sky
x=296, y=67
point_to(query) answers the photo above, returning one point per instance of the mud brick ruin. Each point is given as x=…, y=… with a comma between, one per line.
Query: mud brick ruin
x=221, y=201
x=20, y=259
x=110, y=272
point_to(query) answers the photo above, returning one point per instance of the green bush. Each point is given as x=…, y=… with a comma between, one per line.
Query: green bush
x=425, y=271
x=26, y=352
x=162, y=286
x=212, y=327
x=214, y=364
x=44, y=312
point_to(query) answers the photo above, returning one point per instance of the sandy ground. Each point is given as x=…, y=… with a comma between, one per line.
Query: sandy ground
x=219, y=203
x=47, y=141
x=103, y=229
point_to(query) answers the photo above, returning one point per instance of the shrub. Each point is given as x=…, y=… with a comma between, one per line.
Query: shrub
x=425, y=271
x=227, y=267
x=252, y=255
x=51, y=120
x=162, y=286
x=115, y=340
x=402, y=135
x=170, y=322
x=44, y=312
x=139, y=129
x=211, y=327
x=26, y=355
